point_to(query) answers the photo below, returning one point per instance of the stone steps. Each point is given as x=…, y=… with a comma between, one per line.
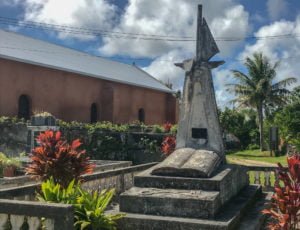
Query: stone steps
x=228, y=217
x=171, y=202
x=228, y=180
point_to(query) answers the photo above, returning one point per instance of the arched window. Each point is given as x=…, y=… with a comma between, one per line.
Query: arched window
x=24, y=107
x=142, y=115
x=94, y=113
x=107, y=103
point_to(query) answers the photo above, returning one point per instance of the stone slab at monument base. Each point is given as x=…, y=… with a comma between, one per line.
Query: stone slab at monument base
x=180, y=203
x=229, y=218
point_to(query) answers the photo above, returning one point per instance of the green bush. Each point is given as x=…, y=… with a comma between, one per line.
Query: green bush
x=89, y=208
x=150, y=146
x=157, y=129
x=252, y=146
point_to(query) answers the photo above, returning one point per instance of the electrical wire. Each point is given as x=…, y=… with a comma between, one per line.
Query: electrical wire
x=122, y=35
x=118, y=58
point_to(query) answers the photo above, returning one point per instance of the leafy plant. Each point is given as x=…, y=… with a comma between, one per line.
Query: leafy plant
x=157, y=129
x=89, y=208
x=168, y=145
x=167, y=127
x=257, y=88
x=174, y=129
x=90, y=211
x=150, y=146
x=42, y=114
x=53, y=192
x=285, y=207
x=56, y=158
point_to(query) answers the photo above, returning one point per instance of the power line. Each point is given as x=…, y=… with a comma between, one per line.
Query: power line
x=123, y=35
x=119, y=58
x=12, y=20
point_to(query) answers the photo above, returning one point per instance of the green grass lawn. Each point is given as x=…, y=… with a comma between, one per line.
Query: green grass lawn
x=255, y=155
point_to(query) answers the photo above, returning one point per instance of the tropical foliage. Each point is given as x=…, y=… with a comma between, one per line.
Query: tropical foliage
x=168, y=145
x=55, y=157
x=89, y=208
x=257, y=88
x=167, y=127
x=242, y=124
x=285, y=207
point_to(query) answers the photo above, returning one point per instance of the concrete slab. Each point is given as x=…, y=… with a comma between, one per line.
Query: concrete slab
x=228, y=180
x=171, y=202
x=228, y=218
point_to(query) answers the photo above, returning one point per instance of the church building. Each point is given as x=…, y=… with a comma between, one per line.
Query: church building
x=74, y=86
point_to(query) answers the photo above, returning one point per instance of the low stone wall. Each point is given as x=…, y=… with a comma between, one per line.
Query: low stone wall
x=13, y=138
x=137, y=147
x=100, y=144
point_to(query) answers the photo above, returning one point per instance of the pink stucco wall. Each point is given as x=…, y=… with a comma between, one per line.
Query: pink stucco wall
x=69, y=96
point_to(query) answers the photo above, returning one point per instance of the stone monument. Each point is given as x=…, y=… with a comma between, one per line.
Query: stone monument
x=193, y=188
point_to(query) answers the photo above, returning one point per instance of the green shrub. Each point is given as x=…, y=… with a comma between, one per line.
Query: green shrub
x=157, y=129
x=174, y=129
x=150, y=146
x=89, y=208
x=252, y=146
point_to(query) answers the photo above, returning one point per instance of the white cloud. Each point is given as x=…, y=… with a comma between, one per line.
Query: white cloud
x=95, y=14
x=283, y=49
x=277, y=8
x=163, y=68
x=164, y=17
x=235, y=23
x=221, y=78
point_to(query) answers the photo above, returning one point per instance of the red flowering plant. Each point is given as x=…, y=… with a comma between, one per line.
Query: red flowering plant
x=167, y=127
x=56, y=158
x=168, y=145
x=285, y=206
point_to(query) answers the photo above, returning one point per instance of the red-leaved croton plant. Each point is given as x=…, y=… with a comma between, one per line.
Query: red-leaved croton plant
x=55, y=157
x=168, y=145
x=285, y=206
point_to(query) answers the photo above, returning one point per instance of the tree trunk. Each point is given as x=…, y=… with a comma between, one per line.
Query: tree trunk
x=261, y=126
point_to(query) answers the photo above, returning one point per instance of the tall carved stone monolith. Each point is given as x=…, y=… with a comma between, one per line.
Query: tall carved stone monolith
x=199, y=125
x=199, y=149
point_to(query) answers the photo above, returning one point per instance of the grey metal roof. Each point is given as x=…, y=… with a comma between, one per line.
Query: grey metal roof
x=18, y=47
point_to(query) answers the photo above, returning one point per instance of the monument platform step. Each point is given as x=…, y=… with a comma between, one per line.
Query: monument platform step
x=171, y=202
x=228, y=218
x=228, y=180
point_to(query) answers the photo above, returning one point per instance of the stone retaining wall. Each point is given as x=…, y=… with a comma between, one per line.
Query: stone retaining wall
x=13, y=138
x=137, y=147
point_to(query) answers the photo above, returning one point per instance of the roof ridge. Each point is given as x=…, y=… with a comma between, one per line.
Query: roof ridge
x=64, y=47
x=149, y=75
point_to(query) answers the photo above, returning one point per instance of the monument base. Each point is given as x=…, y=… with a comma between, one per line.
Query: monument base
x=171, y=203
x=229, y=217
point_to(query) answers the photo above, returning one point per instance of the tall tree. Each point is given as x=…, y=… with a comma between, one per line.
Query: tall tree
x=257, y=89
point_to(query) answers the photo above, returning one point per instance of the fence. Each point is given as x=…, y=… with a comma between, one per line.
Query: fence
x=266, y=176
x=17, y=213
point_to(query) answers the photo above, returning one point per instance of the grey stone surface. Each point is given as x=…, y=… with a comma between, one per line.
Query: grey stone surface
x=188, y=162
x=254, y=219
x=228, y=218
x=13, y=138
x=229, y=180
x=171, y=202
x=198, y=109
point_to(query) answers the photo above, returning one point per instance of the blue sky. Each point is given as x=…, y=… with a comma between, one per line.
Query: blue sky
x=243, y=19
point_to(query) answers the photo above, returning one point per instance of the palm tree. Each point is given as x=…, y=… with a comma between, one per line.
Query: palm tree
x=257, y=90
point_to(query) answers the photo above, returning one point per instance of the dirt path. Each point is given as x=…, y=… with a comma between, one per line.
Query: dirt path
x=250, y=162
